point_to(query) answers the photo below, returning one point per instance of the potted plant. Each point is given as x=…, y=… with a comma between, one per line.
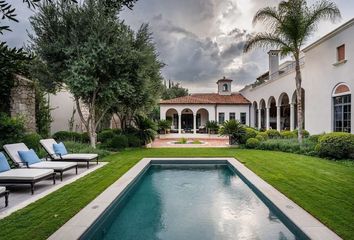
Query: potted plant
x=212, y=127
x=235, y=130
x=164, y=126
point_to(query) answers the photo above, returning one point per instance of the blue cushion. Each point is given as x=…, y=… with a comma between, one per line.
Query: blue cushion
x=29, y=157
x=60, y=149
x=4, y=165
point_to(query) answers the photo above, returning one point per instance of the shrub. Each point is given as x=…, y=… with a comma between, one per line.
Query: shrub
x=76, y=147
x=105, y=136
x=32, y=141
x=305, y=133
x=315, y=138
x=146, y=129
x=11, y=129
x=235, y=130
x=272, y=133
x=264, y=135
x=336, y=145
x=250, y=133
x=164, y=125
x=118, y=142
x=288, y=145
x=260, y=138
x=287, y=134
x=252, y=143
x=134, y=141
x=85, y=137
x=212, y=127
x=71, y=136
x=182, y=141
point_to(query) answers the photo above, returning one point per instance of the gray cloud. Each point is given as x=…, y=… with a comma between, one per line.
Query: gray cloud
x=199, y=40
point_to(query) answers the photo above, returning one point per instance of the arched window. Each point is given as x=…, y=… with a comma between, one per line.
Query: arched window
x=225, y=88
x=342, y=108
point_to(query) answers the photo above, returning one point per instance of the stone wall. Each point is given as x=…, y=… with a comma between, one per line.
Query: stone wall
x=23, y=102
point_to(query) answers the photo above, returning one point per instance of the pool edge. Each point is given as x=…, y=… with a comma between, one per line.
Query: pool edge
x=81, y=222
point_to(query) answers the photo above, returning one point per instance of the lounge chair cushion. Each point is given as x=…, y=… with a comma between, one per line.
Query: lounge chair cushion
x=2, y=189
x=80, y=156
x=29, y=157
x=25, y=174
x=53, y=165
x=4, y=165
x=59, y=149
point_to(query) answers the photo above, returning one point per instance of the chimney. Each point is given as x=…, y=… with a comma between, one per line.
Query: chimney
x=273, y=64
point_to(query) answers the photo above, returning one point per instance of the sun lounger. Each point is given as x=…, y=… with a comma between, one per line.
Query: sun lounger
x=12, y=151
x=23, y=175
x=4, y=193
x=47, y=144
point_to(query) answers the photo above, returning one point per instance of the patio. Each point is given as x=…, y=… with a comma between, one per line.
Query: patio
x=20, y=195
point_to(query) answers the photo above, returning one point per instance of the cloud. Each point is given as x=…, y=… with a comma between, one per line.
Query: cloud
x=199, y=40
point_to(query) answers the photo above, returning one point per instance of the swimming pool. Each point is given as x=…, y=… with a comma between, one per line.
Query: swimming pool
x=190, y=201
x=192, y=198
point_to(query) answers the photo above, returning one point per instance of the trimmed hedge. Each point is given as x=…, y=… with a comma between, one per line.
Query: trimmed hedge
x=260, y=138
x=336, y=145
x=71, y=136
x=272, y=133
x=134, y=141
x=252, y=143
x=106, y=135
x=305, y=133
x=264, y=135
x=287, y=135
x=118, y=142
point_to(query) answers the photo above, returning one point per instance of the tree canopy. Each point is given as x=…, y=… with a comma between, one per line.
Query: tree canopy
x=100, y=60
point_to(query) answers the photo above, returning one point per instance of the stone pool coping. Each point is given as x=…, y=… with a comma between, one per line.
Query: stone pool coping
x=304, y=221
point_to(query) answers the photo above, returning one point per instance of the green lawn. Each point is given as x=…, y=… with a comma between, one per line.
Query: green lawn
x=324, y=188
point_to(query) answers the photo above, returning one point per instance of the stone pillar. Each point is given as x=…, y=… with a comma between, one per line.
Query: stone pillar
x=259, y=118
x=278, y=118
x=180, y=123
x=292, y=116
x=267, y=118
x=194, y=123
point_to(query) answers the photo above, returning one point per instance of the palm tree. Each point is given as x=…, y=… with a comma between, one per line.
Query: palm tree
x=288, y=27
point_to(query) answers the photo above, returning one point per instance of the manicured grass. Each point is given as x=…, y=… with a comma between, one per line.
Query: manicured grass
x=322, y=187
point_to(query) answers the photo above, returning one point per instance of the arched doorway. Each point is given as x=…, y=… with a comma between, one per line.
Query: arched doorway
x=294, y=101
x=202, y=118
x=284, y=104
x=187, y=120
x=172, y=116
x=342, y=108
x=272, y=105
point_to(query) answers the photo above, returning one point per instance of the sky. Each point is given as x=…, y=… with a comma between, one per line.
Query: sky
x=200, y=41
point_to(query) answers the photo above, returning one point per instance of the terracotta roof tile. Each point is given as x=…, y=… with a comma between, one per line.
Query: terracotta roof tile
x=209, y=98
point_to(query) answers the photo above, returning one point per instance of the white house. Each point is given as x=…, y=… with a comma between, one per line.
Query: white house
x=189, y=114
x=327, y=68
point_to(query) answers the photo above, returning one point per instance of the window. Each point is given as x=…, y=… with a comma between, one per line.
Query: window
x=232, y=116
x=225, y=88
x=341, y=53
x=342, y=113
x=221, y=118
x=243, y=117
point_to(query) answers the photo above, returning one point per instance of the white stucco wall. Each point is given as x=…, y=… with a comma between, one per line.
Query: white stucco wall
x=237, y=109
x=62, y=104
x=321, y=77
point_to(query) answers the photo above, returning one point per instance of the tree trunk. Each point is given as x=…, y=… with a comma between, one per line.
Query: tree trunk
x=300, y=113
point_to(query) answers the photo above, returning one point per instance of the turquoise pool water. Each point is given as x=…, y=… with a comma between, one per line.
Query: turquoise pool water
x=190, y=202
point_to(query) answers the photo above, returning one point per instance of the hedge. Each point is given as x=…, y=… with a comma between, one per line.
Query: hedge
x=336, y=145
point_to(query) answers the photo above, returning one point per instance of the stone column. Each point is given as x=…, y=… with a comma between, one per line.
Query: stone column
x=278, y=118
x=180, y=123
x=259, y=118
x=194, y=123
x=292, y=116
x=267, y=118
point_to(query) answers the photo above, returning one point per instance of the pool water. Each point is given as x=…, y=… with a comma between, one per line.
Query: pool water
x=190, y=202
